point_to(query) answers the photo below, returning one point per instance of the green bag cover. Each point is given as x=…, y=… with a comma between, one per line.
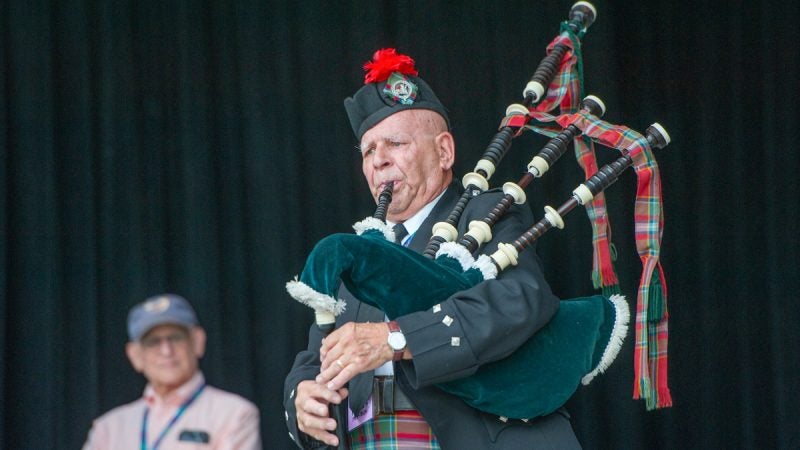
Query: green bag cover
x=541, y=375
x=579, y=342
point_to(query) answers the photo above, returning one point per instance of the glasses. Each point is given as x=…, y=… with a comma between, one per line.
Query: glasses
x=173, y=339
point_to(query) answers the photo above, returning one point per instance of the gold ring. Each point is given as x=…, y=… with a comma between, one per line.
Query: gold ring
x=339, y=363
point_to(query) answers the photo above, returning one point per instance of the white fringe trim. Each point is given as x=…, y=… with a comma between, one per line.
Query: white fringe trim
x=371, y=223
x=621, y=318
x=487, y=267
x=317, y=301
x=457, y=252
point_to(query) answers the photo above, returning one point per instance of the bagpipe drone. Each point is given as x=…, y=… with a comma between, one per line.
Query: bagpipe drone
x=585, y=335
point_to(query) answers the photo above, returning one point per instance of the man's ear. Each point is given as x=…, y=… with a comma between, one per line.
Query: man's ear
x=446, y=146
x=198, y=341
x=134, y=352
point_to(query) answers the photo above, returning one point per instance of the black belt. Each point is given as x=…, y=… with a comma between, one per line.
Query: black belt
x=387, y=397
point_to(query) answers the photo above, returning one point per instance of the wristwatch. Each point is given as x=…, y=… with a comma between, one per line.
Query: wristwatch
x=397, y=340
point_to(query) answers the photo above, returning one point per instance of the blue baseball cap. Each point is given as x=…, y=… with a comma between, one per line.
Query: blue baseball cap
x=160, y=310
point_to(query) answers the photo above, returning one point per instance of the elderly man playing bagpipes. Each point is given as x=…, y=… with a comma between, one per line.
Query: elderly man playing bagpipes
x=384, y=372
x=434, y=329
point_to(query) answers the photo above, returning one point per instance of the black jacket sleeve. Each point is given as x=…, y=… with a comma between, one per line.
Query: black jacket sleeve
x=484, y=323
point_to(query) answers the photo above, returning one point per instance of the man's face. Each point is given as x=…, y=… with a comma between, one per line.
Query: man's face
x=412, y=149
x=167, y=355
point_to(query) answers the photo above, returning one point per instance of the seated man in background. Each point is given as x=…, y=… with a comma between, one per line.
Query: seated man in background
x=178, y=408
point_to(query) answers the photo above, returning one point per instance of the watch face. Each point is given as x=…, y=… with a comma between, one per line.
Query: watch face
x=397, y=341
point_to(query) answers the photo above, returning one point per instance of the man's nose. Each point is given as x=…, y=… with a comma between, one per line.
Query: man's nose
x=166, y=347
x=382, y=156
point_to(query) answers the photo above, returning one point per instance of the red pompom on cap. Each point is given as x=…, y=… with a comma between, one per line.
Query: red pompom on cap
x=384, y=62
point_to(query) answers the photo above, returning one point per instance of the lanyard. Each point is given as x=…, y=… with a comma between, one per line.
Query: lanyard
x=174, y=419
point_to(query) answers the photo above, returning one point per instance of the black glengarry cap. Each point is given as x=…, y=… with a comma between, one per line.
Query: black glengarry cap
x=391, y=85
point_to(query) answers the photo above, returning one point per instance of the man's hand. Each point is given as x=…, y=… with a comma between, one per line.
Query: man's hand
x=313, y=410
x=351, y=349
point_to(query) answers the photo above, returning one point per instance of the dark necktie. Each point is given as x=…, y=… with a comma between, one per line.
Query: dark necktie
x=361, y=385
x=399, y=233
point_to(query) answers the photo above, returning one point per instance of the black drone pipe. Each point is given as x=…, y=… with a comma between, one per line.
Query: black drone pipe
x=480, y=231
x=656, y=136
x=582, y=15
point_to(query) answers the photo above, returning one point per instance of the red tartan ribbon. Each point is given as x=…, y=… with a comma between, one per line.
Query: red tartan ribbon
x=565, y=92
x=650, y=348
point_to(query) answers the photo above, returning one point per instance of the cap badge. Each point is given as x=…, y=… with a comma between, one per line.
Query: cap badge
x=158, y=305
x=400, y=89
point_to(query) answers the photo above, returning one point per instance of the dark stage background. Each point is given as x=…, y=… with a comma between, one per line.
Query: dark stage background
x=201, y=148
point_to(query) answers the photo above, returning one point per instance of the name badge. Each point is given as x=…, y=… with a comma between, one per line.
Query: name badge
x=194, y=436
x=354, y=421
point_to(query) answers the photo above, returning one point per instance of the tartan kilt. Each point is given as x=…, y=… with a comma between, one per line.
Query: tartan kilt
x=401, y=430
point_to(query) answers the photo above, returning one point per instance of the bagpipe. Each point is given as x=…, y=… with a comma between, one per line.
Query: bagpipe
x=585, y=335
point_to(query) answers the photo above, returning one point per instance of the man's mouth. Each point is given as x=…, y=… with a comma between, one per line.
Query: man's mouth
x=382, y=186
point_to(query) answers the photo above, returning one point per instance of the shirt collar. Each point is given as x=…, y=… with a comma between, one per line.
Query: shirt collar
x=414, y=222
x=176, y=397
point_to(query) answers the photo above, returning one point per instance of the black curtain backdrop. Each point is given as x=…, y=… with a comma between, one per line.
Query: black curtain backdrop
x=201, y=148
